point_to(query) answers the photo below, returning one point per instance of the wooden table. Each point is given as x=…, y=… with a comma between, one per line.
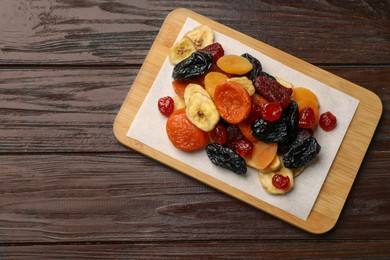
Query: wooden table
x=70, y=190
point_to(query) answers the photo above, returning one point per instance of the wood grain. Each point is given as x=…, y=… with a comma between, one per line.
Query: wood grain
x=73, y=109
x=128, y=197
x=206, y=250
x=342, y=173
x=121, y=32
x=69, y=190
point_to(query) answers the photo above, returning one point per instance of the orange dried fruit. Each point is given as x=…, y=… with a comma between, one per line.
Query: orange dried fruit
x=246, y=130
x=306, y=98
x=211, y=80
x=232, y=101
x=183, y=134
x=262, y=155
x=234, y=64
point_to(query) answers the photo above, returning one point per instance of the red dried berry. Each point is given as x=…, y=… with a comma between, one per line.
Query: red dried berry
x=271, y=111
x=166, y=105
x=273, y=91
x=254, y=114
x=215, y=50
x=327, y=121
x=280, y=181
x=306, y=118
x=219, y=134
x=243, y=147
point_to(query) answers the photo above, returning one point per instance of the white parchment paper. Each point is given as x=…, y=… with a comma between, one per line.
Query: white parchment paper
x=148, y=127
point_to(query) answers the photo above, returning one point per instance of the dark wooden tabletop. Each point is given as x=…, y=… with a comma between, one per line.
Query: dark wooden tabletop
x=69, y=190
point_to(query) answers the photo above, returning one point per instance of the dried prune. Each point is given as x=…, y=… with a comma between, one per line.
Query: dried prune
x=291, y=115
x=195, y=65
x=273, y=91
x=226, y=158
x=270, y=132
x=257, y=68
x=302, y=153
x=283, y=131
x=302, y=135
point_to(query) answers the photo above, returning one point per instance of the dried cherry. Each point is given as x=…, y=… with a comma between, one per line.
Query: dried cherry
x=280, y=181
x=271, y=111
x=243, y=147
x=166, y=105
x=219, y=134
x=327, y=121
x=215, y=50
x=306, y=118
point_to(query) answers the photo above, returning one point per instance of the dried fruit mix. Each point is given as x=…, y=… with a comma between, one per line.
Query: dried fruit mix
x=240, y=115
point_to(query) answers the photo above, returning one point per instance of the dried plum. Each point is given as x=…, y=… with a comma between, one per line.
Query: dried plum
x=195, y=65
x=291, y=115
x=302, y=135
x=282, y=131
x=257, y=69
x=226, y=158
x=301, y=153
x=270, y=132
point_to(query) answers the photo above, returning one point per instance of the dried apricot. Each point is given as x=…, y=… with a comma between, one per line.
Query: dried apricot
x=234, y=64
x=306, y=98
x=183, y=134
x=246, y=130
x=232, y=101
x=301, y=93
x=211, y=81
x=262, y=154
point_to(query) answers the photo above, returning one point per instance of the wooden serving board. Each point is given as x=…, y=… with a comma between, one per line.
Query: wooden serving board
x=345, y=167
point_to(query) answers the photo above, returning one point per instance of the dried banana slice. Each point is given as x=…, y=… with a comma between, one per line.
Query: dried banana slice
x=201, y=36
x=202, y=112
x=181, y=50
x=179, y=103
x=193, y=88
x=275, y=165
x=246, y=83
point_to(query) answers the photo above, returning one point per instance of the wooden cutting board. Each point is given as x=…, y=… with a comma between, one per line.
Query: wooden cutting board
x=345, y=167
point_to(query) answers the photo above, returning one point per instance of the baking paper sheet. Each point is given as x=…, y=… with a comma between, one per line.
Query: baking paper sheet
x=148, y=127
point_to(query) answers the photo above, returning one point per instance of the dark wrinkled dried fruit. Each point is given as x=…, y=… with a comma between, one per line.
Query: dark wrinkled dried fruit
x=226, y=158
x=257, y=69
x=291, y=115
x=282, y=131
x=195, y=65
x=302, y=135
x=273, y=91
x=270, y=132
x=301, y=153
